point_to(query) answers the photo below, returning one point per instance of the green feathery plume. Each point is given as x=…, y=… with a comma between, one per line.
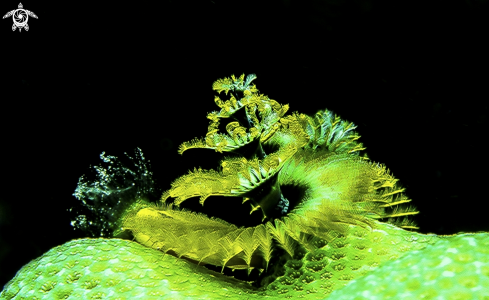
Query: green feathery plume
x=319, y=154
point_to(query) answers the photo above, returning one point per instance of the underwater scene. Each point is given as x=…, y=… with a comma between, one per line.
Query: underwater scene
x=319, y=216
x=248, y=150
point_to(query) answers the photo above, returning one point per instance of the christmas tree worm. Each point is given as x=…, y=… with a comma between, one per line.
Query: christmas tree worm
x=350, y=217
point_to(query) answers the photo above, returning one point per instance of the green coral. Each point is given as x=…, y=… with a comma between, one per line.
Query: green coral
x=455, y=268
x=349, y=256
x=117, y=269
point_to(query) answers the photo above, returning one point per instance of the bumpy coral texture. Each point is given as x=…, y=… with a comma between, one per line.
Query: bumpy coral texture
x=453, y=268
x=116, y=269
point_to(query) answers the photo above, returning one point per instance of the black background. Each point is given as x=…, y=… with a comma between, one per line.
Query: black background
x=90, y=77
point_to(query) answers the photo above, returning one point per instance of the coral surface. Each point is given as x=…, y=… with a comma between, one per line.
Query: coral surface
x=454, y=267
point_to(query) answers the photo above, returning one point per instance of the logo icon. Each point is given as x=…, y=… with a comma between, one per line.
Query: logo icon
x=20, y=17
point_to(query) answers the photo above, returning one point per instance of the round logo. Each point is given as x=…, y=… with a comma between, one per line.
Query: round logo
x=20, y=17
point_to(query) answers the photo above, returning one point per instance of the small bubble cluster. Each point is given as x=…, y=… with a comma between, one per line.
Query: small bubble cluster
x=115, y=187
x=283, y=205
